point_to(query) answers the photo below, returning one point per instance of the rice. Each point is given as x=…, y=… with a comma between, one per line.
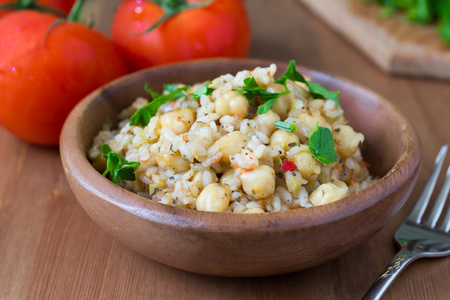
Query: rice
x=232, y=159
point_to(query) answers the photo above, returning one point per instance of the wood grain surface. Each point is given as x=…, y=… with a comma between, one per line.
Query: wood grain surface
x=50, y=249
x=395, y=45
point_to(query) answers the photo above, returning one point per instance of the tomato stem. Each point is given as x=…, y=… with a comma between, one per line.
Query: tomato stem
x=56, y=23
x=75, y=12
x=174, y=7
x=31, y=4
x=26, y=3
x=74, y=16
x=8, y=6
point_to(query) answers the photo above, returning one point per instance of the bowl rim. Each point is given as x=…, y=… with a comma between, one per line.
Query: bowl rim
x=75, y=160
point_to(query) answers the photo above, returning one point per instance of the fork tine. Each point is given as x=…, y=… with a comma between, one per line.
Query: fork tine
x=421, y=205
x=445, y=225
x=440, y=202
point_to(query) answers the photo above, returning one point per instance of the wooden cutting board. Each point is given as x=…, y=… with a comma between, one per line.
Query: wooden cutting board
x=396, y=46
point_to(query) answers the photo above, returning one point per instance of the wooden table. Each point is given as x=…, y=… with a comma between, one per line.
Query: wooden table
x=50, y=248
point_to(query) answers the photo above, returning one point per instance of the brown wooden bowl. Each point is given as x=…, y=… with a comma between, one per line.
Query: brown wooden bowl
x=228, y=244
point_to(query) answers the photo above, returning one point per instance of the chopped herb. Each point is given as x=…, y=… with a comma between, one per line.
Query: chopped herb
x=144, y=114
x=151, y=92
x=204, y=90
x=315, y=89
x=264, y=108
x=167, y=87
x=319, y=92
x=117, y=167
x=251, y=90
x=321, y=145
x=291, y=73
x=285, y=126
x=170, y=88
x=434, y=12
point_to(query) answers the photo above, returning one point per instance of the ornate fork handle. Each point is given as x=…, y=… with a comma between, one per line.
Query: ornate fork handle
x=403, y=258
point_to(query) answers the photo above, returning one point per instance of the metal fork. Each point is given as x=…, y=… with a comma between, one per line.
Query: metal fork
x=416, y=238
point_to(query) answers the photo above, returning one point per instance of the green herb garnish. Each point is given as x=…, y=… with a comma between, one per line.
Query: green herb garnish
x=421, y=12
x=315, y=89
x=117, y=167
x=204, y=90
x=321, y=145
x=144, y=114
x=264, y=108
x=151, y=92
x=285, y=126
x=251, y=90
x=170, y=88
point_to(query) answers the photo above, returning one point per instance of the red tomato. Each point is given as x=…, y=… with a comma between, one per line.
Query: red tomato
x=63, y=5
x=43, y=73
x=219, y=29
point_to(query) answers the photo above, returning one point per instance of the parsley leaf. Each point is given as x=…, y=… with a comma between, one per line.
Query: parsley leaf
x=151, y=92
x=173, y=87
x=444, y=28
x=204, y=90
x=167, y=87
x=285, y=126
x=251, y=90
x=264, y=108
x=291, y=73
x=144, y=114
x=117, y=167
x=321, y=145
x=421, y=12
x=319, y=92
x=316, y=90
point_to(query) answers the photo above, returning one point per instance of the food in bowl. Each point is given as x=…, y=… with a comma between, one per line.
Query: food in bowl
x=223, y=244
x=244, y=143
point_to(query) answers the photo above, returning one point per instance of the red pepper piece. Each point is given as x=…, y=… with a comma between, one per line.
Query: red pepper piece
x=288, y=166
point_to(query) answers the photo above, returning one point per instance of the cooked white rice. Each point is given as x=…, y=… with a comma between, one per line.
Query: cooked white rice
x=229, y=159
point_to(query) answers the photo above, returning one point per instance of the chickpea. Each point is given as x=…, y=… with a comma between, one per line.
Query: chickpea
x=310, y=117
x=308, y=166
x=283, y=104
x=153, y=130
x=329, y=192
x=179, y=121
x=357, y=170
x=232, y=103
x=231, y=144
x=347, y=140
x=325, y=173
x=199, y=176
x=228, y=176
x=169, y=160
x=259, y=182
x=99, y=163
x=255, y=210
x=300, y=90
x=284, y=139
x=214, y=197
x=266, y=122
x=317, y=104
x=297, y=107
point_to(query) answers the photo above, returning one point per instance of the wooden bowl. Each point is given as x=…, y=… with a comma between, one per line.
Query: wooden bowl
x=228, y=244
